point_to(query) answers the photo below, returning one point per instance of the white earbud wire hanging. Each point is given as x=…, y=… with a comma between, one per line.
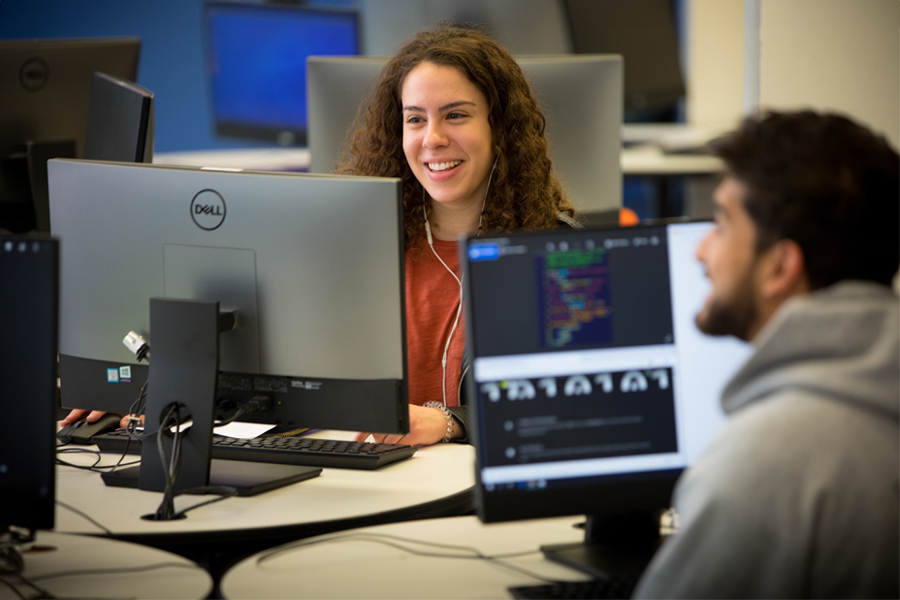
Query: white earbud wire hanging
x=458, y=280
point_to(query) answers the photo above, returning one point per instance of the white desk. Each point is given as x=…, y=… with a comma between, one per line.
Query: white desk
x=436, y=481
x=354, y=566
x=645, y=153
x=77, y=566
x=650, y=159
x=262, y=159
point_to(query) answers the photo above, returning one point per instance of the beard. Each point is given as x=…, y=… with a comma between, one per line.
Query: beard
x=736, y=316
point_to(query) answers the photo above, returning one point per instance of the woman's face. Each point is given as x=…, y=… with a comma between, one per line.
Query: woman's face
x=446, y=134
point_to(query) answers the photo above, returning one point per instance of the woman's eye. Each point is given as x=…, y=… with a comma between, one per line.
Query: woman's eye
x=455, y=115
x=414, y=120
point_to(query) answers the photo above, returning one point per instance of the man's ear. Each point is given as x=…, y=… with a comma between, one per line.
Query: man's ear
x=783, y=272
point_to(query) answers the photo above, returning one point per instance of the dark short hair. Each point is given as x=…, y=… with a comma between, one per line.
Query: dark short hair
x=825, y=182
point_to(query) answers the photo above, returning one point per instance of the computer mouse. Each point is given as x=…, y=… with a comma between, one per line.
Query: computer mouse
x=81, y=432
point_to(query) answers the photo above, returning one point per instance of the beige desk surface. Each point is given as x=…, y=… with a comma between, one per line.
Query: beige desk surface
x=650, y=159
x=358, y=564
x=79, y=566
x=436, y=481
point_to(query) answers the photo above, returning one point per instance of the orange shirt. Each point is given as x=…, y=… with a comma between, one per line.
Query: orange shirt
x=432, y=299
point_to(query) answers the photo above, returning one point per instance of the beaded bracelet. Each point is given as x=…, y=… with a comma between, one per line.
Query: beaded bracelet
x=438, y=405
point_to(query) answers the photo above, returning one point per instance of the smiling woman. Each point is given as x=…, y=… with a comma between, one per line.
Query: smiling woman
x=453, y=116
x=447, y=143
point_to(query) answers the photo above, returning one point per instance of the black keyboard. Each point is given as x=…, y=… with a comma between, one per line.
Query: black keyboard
x=285, y=450
x=616, y=587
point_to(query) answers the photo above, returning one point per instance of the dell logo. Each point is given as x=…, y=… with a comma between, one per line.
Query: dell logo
x=33, y=74
x=208, y=210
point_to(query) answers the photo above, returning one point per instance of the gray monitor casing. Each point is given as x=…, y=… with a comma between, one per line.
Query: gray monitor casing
x=312, y=264
x=120, y=124
x=581, y=97
x=45, y=89
x=46, y=85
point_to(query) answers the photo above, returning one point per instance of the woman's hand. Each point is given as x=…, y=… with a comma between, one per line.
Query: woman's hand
x=127, y=418
x=427, y=426
x=92, y=415
x=77, y=414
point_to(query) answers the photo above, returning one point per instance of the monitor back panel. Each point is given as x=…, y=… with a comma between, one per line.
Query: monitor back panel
x=312, y=264
x=45, y=85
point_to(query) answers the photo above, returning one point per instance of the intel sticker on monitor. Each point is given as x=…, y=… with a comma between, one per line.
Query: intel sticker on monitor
x=484, y=252
x=122, y=374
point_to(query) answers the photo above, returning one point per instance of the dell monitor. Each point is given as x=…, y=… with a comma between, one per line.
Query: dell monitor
x=592, y=387
x=311, y=265
x=581, y=97
x=120, y=125
x=257, y=64
x=45, y=90
x=28, y=334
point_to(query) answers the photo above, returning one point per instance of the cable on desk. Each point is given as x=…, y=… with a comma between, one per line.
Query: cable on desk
x=12, y=587
x=96, y=467
x=224, y=492
x=11, y=561
x=67, y=450
x=137, y=407
x=42, y=593
x=90, y=572
x=140, y=569
x=12, y=564
x=166, y=510
x=134, y=411
x=86, y=517
x=392, y=541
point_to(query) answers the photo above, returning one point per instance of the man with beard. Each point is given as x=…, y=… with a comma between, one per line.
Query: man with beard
x=797, y=496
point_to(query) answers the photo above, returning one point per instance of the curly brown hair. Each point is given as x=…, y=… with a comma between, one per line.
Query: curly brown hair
x=525, y=192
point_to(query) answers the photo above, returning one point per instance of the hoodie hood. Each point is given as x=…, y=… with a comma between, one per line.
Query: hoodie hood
x=842, y=342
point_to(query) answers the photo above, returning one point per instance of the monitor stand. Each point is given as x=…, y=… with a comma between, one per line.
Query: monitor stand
x=248, y=478
x=613, y=546
x=184, y=371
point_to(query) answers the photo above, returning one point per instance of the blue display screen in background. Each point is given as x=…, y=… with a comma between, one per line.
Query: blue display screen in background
x=257, y=65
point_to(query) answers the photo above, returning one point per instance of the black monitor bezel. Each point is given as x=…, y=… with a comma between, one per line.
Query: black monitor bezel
x=31, y=398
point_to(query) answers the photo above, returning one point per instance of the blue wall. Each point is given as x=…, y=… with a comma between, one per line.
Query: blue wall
x=172, y=54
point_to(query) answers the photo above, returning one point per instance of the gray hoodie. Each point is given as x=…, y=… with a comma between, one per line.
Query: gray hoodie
x=799, y=493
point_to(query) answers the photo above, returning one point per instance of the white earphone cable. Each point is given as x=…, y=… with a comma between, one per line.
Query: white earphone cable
x=458, y=280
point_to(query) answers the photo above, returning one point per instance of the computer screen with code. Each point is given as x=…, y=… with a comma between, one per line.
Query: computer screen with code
x=593, y=388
